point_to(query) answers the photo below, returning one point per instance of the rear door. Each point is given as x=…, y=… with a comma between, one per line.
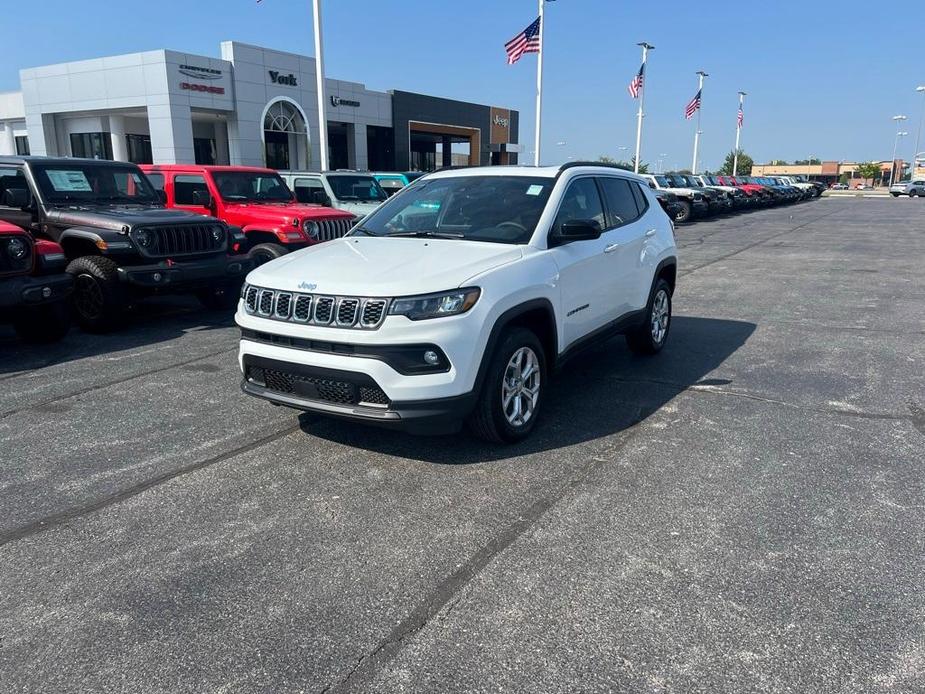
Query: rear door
x=626, y=208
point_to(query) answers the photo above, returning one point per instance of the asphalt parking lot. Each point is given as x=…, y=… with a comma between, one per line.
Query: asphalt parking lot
x=743, y=513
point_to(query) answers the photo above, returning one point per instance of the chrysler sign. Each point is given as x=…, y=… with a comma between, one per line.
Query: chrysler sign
x=202, y=73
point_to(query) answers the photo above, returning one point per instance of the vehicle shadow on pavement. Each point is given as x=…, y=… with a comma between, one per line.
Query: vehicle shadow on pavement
x=603, y=392
x=150, y=322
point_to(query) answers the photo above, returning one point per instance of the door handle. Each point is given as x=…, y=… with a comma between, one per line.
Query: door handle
x=650, y=233
x=611, y=248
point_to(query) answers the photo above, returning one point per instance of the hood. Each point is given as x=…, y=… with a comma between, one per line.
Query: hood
x=282, y=213
x=364, y=266
x=113, y=218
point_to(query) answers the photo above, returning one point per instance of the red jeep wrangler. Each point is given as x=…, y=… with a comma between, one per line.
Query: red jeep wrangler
x=33, y=286
x=257, y=200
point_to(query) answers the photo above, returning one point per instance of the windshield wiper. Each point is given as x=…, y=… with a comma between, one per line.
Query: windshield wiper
x=365, y=232
x=428, y=234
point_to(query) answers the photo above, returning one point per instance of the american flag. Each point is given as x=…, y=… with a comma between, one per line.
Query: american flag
x=527, y=41
x=636, y=85
x=741, y=118
x=692, y=106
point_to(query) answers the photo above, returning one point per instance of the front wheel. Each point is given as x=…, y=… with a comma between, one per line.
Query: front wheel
x=651, y=336
x=265, y=252
x=684, y=212
x=895, y=195
x=914, y=194
x=99, y=298
x=512, y=393
x=44, y=324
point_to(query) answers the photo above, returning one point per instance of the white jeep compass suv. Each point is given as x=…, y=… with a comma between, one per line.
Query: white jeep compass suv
x=457, y=298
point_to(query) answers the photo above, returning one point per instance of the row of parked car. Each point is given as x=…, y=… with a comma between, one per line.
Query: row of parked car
x=685, y=197
x=86, y=239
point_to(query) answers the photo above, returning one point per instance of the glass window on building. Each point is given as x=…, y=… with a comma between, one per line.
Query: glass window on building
x=204, y=150
x=139, y=149
x=91, y=145
x=22, y=145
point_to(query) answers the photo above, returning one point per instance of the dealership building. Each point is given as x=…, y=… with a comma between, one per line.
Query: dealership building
x=253, y=106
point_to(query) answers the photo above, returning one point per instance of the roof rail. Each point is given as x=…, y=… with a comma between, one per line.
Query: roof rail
x=573, y=164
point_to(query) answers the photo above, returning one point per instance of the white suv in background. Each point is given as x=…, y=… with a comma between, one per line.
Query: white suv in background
x=458, y=297
x=353, y=191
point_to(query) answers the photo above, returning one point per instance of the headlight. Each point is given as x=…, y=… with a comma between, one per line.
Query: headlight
x=310, y=228
x=144, y=238
x=450, y=303
x=17, y=249
x=218, y=234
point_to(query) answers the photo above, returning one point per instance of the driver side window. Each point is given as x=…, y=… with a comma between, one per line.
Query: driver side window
x=581, y=202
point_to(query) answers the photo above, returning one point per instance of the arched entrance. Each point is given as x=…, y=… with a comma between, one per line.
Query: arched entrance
x=285, y=136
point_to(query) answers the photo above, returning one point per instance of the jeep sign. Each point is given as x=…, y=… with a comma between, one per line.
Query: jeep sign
x=288, y=80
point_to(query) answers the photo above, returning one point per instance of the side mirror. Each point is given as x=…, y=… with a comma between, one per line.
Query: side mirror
x=578, y=230
x=319, y=197
x=162, y=196
x=652, y=186
x=17, y=197
x=202, y=198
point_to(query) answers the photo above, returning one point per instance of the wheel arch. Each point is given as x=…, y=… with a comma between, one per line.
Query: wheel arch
x=80, y=242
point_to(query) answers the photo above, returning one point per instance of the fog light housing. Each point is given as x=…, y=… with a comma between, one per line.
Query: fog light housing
x=431, y=357
x=46, y=292
x=156, y=277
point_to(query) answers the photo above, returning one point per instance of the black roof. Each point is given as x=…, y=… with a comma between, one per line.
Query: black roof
x=35, y=159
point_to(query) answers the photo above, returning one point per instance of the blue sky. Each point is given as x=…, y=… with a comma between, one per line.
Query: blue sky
x=823, y=78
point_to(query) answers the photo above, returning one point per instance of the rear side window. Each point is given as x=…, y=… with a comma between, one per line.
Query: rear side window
x=642, y=202
x=621, y=202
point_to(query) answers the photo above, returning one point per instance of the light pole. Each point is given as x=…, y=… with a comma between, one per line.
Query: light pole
x=901, y=133
x=918, y=133
x=319, y=81
x=897, y=119
x=661, y=162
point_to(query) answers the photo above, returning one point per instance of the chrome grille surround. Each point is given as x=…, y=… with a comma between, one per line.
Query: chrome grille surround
x=353, y=312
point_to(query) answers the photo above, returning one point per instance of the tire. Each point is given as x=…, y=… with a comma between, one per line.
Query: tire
x=490, y=420
x=44, y=324
x=265, y=252
x=99, y=298
x=222, y=298
x=896, y=195
x=914, y=194
x=684, y=213
x=646, y=340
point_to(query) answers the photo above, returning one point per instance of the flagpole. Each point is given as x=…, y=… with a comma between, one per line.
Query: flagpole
x=319, y=77
x=735, y=156
x=642, y=97
x=701, y=74
x=539, y=89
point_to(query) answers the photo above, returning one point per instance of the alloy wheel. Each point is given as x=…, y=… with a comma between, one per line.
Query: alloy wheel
x=88, y=297
x=660, y=316
x=520, y=387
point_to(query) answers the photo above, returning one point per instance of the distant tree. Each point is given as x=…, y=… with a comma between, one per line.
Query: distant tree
x=809, y=162
x=843, y=178
x=628, y=165
x=745, y=163
x=685, y=171
x=604, y=159
x=870, y=170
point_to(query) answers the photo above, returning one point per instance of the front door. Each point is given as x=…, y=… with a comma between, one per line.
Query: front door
x=583, y=265
x=13, y=179
x=277, y=149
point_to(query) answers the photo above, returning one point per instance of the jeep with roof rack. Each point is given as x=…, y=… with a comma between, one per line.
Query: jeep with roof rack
x=456, y=299
x=120, y=240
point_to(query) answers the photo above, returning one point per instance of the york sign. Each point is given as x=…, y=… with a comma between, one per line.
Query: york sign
x=288, y=80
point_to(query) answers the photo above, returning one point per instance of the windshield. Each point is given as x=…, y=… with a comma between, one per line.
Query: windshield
x=251, y=186
x=89, y=183
x=677, y=181
x=500, y=209
x=361, y=188
x=663, y=181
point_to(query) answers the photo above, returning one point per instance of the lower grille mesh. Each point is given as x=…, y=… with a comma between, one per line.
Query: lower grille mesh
x=316, y=388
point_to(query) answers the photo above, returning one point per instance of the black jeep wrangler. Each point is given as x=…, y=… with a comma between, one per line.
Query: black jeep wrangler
x=119, y=239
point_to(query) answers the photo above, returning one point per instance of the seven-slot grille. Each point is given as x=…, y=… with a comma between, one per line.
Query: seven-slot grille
x=329, y=229
x=334, y=311
x=186, y=239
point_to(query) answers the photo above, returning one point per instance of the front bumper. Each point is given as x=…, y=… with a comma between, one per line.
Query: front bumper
x=184, y=275
x=349, y=395
x=27, y=290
